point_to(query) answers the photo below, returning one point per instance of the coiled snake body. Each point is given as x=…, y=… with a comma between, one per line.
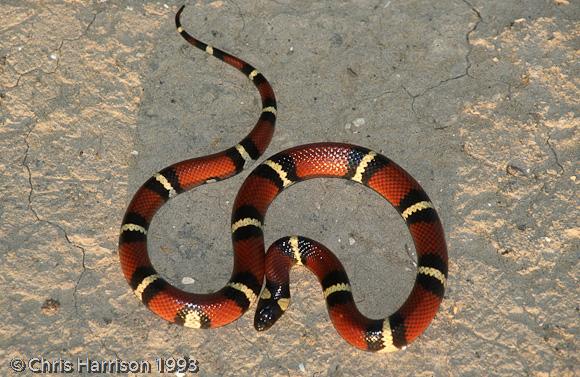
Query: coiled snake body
x=266, y=181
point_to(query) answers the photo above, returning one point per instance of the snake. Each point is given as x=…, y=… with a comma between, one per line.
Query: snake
x=263, y=277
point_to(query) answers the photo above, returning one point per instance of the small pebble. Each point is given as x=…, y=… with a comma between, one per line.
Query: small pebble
x=134, y=153
x=187, y=280
x=351, y=241
x=302, y=368
x=358, y=122
x=216, y=4
x=50, y=306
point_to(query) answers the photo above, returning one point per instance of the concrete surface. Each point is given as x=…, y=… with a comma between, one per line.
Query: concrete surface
x=477, y=99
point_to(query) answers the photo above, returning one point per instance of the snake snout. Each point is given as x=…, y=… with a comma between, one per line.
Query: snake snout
x=267, y=314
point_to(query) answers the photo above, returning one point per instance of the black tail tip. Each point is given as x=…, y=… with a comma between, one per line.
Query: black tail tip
x=178, y=14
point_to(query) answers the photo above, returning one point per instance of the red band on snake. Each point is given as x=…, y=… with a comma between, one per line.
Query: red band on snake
x=335, y=160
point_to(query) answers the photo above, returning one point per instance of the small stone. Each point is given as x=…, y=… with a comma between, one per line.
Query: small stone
x=516, y=169
x=134, y=153
x=358, y=122
x=216, y=4
x=302, y=368
x=525, y=80
x=495, y=60
x=50, y=306
x=351, y=241
x=187, y=280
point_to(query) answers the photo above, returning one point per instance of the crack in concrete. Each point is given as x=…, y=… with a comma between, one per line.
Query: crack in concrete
x=53, y=224
x=58, y=53
x=468, y=64
x=468, y=37
x=413, y=98
x=553, y=150
x=548, y=143
x=29, y=170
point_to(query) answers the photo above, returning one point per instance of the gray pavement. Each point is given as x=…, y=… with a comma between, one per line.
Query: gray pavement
x=476, y=99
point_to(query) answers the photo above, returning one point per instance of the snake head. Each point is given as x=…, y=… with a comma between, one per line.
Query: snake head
x=269, y=311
